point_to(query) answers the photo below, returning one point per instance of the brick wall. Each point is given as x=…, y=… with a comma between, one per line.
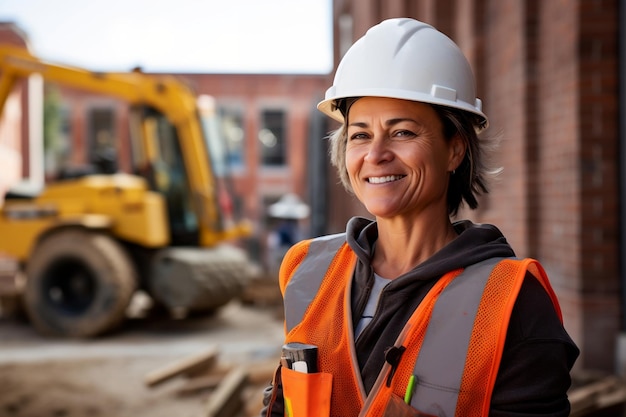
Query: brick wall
x=599, y=178
x=558, y=216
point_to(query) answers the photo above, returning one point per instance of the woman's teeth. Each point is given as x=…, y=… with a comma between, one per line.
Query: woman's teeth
x=381, y=180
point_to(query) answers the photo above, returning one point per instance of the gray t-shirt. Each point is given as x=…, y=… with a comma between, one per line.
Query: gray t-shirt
x=372, y=303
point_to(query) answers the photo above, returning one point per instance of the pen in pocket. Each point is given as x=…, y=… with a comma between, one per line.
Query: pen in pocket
x=409, y=390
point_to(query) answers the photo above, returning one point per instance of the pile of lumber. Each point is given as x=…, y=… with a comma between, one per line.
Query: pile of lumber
x=595, y=394
x=233, y=390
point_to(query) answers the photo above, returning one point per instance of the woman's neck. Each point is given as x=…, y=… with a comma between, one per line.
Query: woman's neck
x=402, y=246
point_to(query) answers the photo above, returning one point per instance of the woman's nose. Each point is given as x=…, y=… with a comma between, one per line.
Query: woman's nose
x=378, y=150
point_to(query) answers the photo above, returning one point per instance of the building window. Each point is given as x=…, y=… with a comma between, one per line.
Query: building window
x=234, y=136
x=272, y=137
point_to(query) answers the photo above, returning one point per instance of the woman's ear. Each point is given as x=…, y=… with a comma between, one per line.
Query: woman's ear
x=457, y=148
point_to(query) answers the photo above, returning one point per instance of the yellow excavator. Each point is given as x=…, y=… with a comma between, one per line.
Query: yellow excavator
x=87, y=242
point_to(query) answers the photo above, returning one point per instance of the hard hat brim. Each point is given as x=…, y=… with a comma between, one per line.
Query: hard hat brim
x=328, y=107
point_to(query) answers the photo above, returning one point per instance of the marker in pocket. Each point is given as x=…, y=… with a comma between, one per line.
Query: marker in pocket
x=300, y=357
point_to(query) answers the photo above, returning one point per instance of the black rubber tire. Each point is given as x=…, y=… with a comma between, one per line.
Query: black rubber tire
x=79, y=284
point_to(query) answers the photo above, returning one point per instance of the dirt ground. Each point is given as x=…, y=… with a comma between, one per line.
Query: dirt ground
x=42, y=377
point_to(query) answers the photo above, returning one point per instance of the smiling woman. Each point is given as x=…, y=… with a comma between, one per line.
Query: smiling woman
x=413, y=313
x=236, y=36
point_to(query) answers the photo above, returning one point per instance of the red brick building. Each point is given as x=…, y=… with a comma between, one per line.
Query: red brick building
x=547, y=72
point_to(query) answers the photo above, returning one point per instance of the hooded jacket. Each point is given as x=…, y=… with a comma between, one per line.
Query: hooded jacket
x=533, y=378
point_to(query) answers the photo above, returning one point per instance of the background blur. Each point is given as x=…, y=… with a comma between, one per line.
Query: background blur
x=550, y=74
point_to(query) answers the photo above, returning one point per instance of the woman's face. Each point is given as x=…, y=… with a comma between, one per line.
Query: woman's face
x=397, y=158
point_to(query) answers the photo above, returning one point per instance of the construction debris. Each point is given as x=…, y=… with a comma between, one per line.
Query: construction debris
x=233, y=390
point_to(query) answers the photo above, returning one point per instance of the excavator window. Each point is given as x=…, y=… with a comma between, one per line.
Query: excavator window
x=162, y=164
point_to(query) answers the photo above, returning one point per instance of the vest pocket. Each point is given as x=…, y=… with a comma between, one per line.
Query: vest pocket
x=306, y=395
x=396, y=407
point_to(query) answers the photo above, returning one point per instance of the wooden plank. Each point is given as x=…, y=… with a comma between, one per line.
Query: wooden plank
x=187, y=365
x=200, y=383
x=219, y=369
x=226, y=400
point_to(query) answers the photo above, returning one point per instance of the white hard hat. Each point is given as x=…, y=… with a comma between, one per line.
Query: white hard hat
x=406, y=59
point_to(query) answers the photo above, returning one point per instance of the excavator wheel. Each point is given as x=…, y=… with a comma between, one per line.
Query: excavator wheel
x=79, y=284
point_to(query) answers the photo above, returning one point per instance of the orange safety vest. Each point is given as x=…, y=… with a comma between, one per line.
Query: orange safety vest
x=470, y=307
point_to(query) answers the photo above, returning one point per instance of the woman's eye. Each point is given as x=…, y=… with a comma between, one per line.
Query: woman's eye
x=404, y=133
x=358, y=136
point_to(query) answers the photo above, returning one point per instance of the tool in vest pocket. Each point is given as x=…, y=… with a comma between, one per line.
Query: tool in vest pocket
x=300, y=357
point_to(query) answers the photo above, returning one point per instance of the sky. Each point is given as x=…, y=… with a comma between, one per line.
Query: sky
x=206, y=36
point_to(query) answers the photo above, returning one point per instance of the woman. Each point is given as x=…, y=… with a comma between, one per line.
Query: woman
x=413, y=314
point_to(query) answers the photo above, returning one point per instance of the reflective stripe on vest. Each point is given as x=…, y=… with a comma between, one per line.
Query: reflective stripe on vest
x=448, y=333
x=300, y=292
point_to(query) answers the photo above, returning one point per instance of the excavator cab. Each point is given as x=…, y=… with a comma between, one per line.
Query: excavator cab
x=164, y=170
